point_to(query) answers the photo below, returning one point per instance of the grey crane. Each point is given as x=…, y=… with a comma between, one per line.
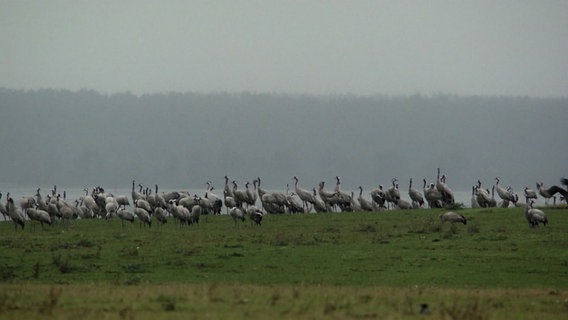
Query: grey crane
x=161, y=216
x=432, y=195
x=141, y=203
x=237, y=214
x=15, y=213
x=215, y=201
x=256, y=216
x=503, y=193
x=122, y=201
x=453, y=217
x=240, y=196
x=227, y=189
x=403, y=204
x=343, y=197
x=304, y=195
x=261, y=192
x=493, y=202
x=327, y=197
x=483, y=195
x=534, y=216
x=205, y=204
x=91, y=204
x=447, y=193
x=415, y=196
x=195, y=213
x=474, y=203
x=319, y=205
x=251, y=194
x=144, y=216
x=135, y=194
x=3, y=207
x=66, y=210
x=392, y=194
x=364, y=203
x=39, y=215
x=548, y=193
x=379, y=197
x=530, y=193
x=228, y=200
x=125, y=215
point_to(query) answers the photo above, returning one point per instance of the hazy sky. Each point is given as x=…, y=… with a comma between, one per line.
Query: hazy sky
x=361, y=47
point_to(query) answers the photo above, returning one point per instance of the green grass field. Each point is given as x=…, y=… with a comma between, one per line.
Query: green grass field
x=380, y=265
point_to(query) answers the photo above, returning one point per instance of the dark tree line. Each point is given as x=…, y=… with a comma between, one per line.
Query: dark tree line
x=81, y=138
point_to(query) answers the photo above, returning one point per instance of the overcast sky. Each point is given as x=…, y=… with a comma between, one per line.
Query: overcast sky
x=360, y=47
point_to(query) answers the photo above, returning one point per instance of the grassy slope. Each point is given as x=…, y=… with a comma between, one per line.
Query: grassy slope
x=352, y=257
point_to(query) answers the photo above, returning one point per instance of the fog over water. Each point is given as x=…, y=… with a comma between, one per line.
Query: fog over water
x=79, y=139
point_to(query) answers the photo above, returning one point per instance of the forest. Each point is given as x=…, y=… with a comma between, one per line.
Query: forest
x=181, y=140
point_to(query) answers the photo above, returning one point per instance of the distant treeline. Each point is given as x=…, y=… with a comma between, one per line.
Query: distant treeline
x=181, y=140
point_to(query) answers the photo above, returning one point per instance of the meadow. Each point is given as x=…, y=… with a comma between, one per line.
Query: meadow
x=380, y=265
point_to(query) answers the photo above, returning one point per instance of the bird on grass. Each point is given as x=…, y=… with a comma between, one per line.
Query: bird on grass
x=453, y=217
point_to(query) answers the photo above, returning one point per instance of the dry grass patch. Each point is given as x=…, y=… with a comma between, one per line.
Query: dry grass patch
x=230, y=301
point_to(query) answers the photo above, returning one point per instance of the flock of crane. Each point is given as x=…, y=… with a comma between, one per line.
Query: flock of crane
x=186, y=208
